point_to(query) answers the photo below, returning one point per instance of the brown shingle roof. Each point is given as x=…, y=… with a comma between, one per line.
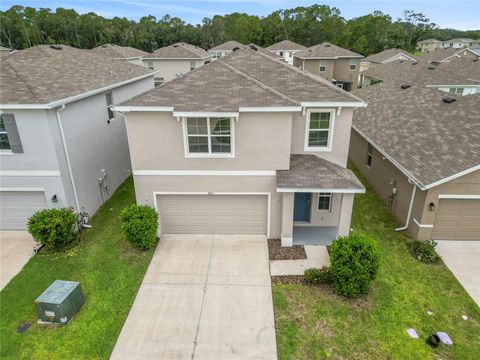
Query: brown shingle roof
x=179, y=51
x=312, y=172
x=245, y=78
x=426, y=137
x=438, y=55
x=118, y=52
x=285, y=45
x=229, y=45
x=41, y=74
x=326, y=51
x=386, y=55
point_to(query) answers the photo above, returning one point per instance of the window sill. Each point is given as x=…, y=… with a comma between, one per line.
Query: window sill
x=317, y=149
x=210, y=156
x=6, y=152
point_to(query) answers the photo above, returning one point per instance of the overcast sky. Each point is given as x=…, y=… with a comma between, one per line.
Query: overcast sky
x=462, y=15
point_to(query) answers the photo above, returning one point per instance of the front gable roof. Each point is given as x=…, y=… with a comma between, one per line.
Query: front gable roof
x=326, y=51
x=179, y=51
x=388, y=54
x=118, y=52
x=229, y=45
x=285, y=45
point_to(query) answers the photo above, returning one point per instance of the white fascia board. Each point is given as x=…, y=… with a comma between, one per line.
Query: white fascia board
x=34, y=189
x=460, y=196
x=321, y=190
x=143, y=108
x=353, y=104
x=189, y=59
x=455, y=85
x=203, y=173
x=22, y=173
x=400, y=53
x=452, y=177
x=204, y=114
x=270, y=109
x=24, y=107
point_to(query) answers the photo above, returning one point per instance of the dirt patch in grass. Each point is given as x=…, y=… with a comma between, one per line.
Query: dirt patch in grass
x=277, y=252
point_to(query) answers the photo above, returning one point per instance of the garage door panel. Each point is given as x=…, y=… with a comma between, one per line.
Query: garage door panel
x=17, y=206
x=216, y=214
x=457, y=219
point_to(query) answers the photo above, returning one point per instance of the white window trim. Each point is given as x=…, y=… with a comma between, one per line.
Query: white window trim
x=354, y=65
x=327, y=148
x=209, y=155
x=329, y=203
x=324, y=66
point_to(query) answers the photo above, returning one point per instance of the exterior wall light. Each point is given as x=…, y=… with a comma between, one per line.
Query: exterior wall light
x=54, y=199
x=431, y=206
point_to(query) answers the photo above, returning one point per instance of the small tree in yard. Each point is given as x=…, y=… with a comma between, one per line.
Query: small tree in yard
x=54, y=228
x=354, y=264
x=139, y=225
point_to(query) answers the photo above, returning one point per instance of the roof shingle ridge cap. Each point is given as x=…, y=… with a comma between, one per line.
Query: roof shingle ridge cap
x=318, y=79
x=257, y=82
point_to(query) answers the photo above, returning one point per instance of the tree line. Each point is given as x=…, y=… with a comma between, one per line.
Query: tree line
x=22, y=27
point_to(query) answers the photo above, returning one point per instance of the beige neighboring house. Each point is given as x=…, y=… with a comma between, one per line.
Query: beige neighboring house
x=386, y=56
x=429, y=45
x=224, y=49
x=459, y=43
x=175, y=60
x=286, y=49
x=338, y=65
x=445, y=55
x=420, y=150
x=232, y=148
x=61, y=144
x=122, y=53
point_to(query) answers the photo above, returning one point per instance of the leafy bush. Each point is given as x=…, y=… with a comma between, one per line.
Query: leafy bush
x=354, y=264
x=54, y=228
x=424, y=250
x=139, y=225
x=318, y=276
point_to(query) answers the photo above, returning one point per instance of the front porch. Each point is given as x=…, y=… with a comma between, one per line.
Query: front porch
x=314, y=235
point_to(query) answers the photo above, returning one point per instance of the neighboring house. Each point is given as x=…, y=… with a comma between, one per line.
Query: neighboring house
x=224, y=49
x=445, y=55
x=4, y=51
x=420, y=150
x=262, y=151
x=460, y=76
x=286, y=49
x=429, y=45
x=175, y=60
x=385, y=57
x=336, y=64
x=123, y=53
x=460, y=43
x=62, y=145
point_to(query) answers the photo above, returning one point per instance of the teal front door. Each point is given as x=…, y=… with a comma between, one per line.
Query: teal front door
x=301, y=207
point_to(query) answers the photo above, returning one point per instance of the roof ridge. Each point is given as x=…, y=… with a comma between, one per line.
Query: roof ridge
x=256, y=81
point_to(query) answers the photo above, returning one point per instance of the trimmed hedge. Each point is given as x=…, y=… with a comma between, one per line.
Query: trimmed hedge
x=139, y=225
x=424, y=251
x=318, y=276
x=355, y=260
x=54, y=228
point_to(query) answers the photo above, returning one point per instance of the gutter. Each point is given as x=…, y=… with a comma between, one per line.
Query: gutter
x=67, y=156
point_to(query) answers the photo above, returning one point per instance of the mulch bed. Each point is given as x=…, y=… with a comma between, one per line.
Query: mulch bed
x=277, y=252
x=288, y=279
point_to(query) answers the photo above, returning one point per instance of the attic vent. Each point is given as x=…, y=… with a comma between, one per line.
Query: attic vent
x=175, y=46
x=56, y=47
x=254, y=48
x=405, y=86
x=236, y=48
x=104, y=46
x=207, y=62
x=401, y=61
x=327, y=45
x=448, y=99
x=431, y=67
x=414, y=63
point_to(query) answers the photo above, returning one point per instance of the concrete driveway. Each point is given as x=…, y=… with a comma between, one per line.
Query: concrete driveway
x=203, y=297
x=16, y=248
x=463, y=260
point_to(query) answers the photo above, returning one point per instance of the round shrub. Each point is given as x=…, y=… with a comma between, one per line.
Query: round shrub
x=318, y=276
x=54, y=228
x=354, y=264
x=139, y=225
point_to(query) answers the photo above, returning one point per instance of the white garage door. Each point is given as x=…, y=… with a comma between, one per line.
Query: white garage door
x=17, y=206
x=457, y=220
x=213, y=214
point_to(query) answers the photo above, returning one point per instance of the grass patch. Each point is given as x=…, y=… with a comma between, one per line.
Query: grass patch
x=110, y=272
x=313, y=323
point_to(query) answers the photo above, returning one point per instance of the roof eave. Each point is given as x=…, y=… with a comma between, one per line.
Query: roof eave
x=317, y=190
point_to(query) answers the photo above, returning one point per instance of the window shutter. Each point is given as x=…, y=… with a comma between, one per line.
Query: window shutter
x=12, y=133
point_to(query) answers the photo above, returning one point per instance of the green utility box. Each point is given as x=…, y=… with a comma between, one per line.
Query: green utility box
x=59, y=302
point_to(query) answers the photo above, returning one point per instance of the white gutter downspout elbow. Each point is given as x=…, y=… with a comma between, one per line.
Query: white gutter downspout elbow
x=67, y=156
x=410, y=207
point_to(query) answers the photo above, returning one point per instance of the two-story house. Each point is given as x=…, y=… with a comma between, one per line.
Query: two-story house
x=459, y=43
x=286, y=49
x=175, y=60
x=122, y=53
x=429, y=45
x=224, y=49
x=245, y=145
x=338, y=65
x=386, y=56
x=61, y=144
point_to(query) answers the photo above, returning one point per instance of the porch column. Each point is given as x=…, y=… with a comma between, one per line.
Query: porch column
x=345, y=214
x=287, y=219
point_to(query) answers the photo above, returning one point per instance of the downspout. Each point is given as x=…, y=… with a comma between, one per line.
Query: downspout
x=67, y=156
x=410, y=207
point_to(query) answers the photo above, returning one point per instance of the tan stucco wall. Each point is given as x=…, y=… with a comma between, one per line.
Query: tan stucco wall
x=340, y=141
x=428, y=47
x=338, y=69
x=323, y=218
x=168, y=69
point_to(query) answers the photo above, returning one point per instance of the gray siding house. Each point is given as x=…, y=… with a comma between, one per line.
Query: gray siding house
x=245, y=145
x=61, y=143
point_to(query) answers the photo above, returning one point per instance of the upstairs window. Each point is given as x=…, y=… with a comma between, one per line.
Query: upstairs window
x=193, y=65
x=324, y=202
x=209, y=136
x=9, y=136
x=369, y=158
x=323, y=66
x=353, y=64
x=456, y=91
x=110, y=112
x=4, y=142
x=319, y=130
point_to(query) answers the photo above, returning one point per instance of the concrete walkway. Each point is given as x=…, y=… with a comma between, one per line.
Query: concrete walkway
x=16, y=248
x=203, y=297
x=317, y=257
x=463, y=260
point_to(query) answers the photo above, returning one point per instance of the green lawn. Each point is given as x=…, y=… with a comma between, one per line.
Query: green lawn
x=313, y=323
x=110, y=272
